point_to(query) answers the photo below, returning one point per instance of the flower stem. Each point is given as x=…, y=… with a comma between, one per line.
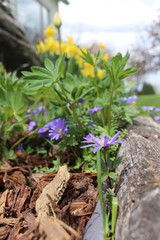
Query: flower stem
x=23, y=138
x=109, y=113
x=108, y=179
x=73, y=109
x=59, y=40
x=102, y=203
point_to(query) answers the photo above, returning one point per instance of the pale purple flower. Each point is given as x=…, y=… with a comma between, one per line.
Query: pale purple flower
x=147, y=108
x=43, y=131
x=124, y=99
x=94, y=109
x=156, y=118
x=31, y=126
x=58, y=128
x=157, y=110
x=37, y=111
x=130, y=99
x=101, y=142
x=69, y=104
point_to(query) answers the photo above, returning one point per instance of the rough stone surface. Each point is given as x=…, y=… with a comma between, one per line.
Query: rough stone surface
x=139, y=192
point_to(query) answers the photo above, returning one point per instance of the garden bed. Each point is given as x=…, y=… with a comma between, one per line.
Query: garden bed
x=19, y=192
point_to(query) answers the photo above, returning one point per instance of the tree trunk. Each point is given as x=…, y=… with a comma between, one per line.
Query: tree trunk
x=138, y=191
x=15, y=48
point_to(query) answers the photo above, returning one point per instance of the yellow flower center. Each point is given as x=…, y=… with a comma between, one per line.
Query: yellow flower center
x=101, y=143
x=133, y=103
x=59, y=130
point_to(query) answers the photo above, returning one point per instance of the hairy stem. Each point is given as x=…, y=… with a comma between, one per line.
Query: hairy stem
x=102, y=202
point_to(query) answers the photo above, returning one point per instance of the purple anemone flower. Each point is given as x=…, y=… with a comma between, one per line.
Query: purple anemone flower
x=58, y=128
x=147, y=108
x=130, y=99
x=156, y=118
x=101, y=142
x=37, y=111
x=157, y=110
x=43, y=131
x=94, y=109
x=31, y=126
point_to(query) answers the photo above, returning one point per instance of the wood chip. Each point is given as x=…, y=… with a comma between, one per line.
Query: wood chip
x=51, y=226
x=3, y=203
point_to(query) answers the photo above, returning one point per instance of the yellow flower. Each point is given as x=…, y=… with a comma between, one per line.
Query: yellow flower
x=63, y=48
x=100, y=73
x=87, y=72
x=51, y=45
x=50, y=31
x=101, y=46
x=88, y=65
x=41, y=48
x=105, y=57
x=71, y=50
x=70, y=40
x=57, y=20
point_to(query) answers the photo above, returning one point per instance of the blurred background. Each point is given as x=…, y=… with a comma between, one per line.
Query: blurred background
x=120, y=25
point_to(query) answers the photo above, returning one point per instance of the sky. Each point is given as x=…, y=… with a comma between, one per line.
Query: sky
x=116, y=23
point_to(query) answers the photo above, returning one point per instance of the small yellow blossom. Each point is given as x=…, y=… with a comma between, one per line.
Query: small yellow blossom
x=51, y=45
x=50, y=31
x=101, y=46
x=100, y=73
x=57, y=20
x=88, y=72
x=70, y=40
x=71, y=50
x=63, y=48
x=41, y=48
x=105, y=57
x=88, y=65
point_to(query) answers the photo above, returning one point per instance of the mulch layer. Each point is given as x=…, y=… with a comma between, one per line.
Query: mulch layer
x=19, y=191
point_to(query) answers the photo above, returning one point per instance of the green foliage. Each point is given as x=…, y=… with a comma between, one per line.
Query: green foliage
x=147, y=89
x=88, y=105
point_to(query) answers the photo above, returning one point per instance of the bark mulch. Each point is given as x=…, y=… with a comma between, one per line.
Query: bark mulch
x=45, y=206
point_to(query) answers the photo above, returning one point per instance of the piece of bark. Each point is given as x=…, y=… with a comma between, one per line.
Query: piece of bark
x=54, y=189
x=15, y=48
x=8, y=221
x=4, y=232
x=138, y=191
x=51, y=194
x=3, y=203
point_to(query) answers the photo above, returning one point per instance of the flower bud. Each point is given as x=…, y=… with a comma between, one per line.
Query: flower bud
x=57, y=20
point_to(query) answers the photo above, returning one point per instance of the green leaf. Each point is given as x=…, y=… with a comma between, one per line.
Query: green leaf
x=87, y=91
x=114, y=214
x=87, y=57
x=112, y=175
x=73, y=93
x=49, y=65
